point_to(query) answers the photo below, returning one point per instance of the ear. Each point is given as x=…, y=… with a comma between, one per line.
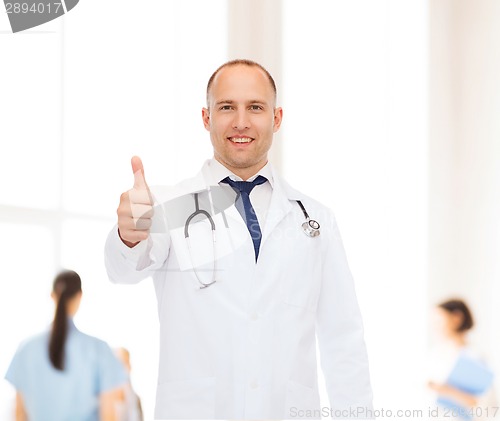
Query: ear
x=278, y=117
x=205, y=115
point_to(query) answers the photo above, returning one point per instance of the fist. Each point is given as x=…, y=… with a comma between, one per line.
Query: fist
x=135, y=211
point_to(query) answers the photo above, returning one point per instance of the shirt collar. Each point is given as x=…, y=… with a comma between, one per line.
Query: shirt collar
x=71, y=324
x=219, y=172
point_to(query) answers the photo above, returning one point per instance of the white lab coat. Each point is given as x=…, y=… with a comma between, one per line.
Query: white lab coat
x=245, y=347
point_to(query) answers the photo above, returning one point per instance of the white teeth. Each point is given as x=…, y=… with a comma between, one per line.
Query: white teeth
x=240, y=139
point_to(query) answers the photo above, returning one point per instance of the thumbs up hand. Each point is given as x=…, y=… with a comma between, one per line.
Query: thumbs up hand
x=136, y=208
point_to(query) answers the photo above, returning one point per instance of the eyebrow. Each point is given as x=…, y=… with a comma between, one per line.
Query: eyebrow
x=253, y=101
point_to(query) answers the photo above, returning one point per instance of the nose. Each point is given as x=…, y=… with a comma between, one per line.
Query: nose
x=241, y=120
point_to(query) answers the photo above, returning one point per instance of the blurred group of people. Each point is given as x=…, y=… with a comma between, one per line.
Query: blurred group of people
x=64, y=374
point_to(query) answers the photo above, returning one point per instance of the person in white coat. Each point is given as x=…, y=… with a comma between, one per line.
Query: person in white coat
x=244, y=282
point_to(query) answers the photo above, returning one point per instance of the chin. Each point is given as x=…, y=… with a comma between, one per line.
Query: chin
x=240, y=164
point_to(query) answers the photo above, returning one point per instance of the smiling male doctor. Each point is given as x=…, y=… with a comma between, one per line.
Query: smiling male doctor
x=244, y=346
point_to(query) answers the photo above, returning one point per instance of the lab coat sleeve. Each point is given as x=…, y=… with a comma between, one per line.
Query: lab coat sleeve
x=339, y=329
x=126, y=265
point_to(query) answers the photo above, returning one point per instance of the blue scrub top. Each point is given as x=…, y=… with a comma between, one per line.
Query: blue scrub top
x=90, y=368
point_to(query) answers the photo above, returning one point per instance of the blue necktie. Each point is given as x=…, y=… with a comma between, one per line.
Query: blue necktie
x=245, y=208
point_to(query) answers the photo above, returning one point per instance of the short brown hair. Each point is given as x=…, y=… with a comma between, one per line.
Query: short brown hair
x=457, y=306
x=244, y=62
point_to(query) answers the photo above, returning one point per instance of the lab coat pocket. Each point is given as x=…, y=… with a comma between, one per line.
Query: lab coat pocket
x=186, y=399
x=302, y=402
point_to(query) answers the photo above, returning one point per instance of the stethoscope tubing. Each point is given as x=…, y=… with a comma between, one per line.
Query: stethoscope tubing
x=311, y=228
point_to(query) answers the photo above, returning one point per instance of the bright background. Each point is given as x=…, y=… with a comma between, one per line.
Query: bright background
x=390, y=117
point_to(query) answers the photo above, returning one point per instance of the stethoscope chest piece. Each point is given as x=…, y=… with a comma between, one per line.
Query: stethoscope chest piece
x=311, y=228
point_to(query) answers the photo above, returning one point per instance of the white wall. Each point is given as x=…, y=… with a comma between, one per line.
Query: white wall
x=355, y=138
x=464, y=157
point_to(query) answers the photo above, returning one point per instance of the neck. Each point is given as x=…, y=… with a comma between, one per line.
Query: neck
x=458, y=339
x=243, y=173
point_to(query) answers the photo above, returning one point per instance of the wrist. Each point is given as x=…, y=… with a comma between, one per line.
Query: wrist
x=129, y=244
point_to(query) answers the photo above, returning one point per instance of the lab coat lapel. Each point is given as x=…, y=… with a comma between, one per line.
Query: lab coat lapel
x=200, y=182
x=279, y=206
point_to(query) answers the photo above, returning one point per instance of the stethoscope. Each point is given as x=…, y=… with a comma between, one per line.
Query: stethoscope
x=310, y=228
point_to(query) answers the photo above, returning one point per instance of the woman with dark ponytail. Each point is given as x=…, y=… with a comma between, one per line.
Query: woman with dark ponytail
x=64, y=374
x=66, y=292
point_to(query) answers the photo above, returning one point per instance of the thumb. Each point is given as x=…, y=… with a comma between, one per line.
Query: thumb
x=138, y=169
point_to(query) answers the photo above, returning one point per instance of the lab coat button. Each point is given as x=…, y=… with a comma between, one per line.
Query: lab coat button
x=254, y=384
x=254, y=316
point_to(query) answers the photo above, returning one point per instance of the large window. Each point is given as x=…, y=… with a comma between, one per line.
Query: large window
x=80, y=96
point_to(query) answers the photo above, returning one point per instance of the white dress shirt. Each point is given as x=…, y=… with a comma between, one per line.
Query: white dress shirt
x=260, y=196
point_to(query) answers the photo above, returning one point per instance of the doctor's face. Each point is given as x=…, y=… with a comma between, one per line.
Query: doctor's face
x=242, y=118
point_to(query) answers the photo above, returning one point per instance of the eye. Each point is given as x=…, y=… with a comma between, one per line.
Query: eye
x=225, y=107
x=256, y=107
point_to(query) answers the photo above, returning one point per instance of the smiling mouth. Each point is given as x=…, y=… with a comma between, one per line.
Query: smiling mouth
x=240, y=139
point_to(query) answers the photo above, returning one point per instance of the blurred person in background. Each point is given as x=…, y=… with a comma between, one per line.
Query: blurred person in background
x=460, y=378
x=64, y=374
x=129, y=406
